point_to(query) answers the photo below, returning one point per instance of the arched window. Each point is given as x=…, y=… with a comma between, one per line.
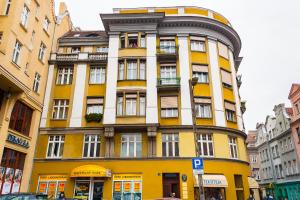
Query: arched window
x=20, y=119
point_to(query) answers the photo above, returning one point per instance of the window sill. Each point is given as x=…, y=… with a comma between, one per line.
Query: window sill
x=131, y=80
x=23, y=27
x=202, y=83
x=131, y=116
x=224, y=57
x=96, y=83
x=199, y=51
x=50, y=158
x=52, y=119
x=169, y=117
x=204, y=117
x=62, y=84
x=228, y=87
x=15, y=64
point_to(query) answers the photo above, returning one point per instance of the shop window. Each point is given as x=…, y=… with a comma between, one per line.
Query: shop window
x=60, y=109
x=201, y=72
x=205, y=143
x=131, y=145
x=238, y=180
x=20, y=119
x=97, y=75
x=127, y=186
x=11, y=170
x=55, y=146
x=171, y=185
x=170, y=145
x=82, y=189
x=94, y=105
x=203, y=107
x=233, y=147
x=64, y=75
x=91, y=146
x=214, y=193
x=52, y=185
x=133, y=40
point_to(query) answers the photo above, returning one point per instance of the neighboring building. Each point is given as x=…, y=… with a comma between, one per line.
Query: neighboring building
x=26, y=35
x=279, y=171
x=135, y=75
x=294, y=97
x=253, y=154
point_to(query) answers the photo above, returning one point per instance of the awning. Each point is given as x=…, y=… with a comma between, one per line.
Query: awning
x=253, y=183
x=90, y=171
x=218, y=181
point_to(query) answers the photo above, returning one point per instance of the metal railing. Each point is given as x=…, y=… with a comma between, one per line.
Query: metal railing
x=67, y=57
x=168, y=82
x=98, y=56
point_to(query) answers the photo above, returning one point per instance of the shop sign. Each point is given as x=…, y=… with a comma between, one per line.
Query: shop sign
x=45, y=178
x=212, y=182
x=18, y=140
x=127, y=177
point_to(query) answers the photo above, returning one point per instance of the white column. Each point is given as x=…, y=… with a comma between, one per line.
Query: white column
x=47, y=96
x=111, y=83
x=78, y=96
x=216, y=83
x=184, y=64
x=152, y=112
x=236, y=93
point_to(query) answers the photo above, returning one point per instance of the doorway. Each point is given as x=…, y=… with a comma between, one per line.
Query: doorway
x=88, y=189
x=171, y=186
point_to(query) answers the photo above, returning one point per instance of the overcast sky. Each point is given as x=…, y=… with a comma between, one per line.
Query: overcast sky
x=270, y=34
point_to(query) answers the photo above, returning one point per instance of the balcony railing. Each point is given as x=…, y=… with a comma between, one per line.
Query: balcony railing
x=97, y=56
x=80, y=56
x=169, y=52
x=67, y=57
x=168, y=83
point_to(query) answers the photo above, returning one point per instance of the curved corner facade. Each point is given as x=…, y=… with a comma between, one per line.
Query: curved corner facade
x=117, y=121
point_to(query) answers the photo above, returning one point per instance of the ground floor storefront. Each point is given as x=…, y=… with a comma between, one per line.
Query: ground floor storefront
x=290, y=190
x=122, y=179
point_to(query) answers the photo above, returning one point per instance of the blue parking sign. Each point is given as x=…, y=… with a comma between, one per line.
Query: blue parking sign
x=197, y=165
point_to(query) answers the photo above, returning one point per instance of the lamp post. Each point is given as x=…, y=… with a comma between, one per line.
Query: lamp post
x=192, y=83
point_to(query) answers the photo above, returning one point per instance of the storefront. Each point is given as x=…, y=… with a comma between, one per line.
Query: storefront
x=127, y=186
x=11, y=171
x=214, y=186
x=254, y=188
x=52, y=185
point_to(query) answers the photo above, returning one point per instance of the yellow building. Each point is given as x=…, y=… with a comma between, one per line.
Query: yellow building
x=27, y=31
x=117, y=121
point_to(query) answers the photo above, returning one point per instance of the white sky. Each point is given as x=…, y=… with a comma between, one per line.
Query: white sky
x=270, y=34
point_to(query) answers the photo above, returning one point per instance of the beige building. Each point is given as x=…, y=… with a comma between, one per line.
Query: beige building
x=27, y=31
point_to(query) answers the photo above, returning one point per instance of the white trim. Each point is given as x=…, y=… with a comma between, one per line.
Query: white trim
x=47, y=96
x=216, y=84
x=76, y=117
x=186, y=108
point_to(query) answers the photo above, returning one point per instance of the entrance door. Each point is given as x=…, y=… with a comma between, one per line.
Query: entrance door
x=171, y=187
x=97, y=191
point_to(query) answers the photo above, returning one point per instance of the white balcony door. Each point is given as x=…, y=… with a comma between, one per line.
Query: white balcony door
x=168, y=75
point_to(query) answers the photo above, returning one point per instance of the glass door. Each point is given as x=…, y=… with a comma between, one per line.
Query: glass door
x=97, y=191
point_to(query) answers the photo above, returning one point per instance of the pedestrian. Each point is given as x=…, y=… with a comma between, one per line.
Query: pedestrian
x=62, y=196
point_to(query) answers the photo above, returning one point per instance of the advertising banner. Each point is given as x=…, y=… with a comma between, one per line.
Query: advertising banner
x=137, y=187
x=117, y=186
x=42, y=187
x=61, y=187
x=127, y=187
x=8, y=180
x=51, y=190
x=17, y=180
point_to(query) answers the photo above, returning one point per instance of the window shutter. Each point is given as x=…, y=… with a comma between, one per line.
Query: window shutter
x=202, y=100
x=229, y=106
x=223, y=50
x=131, y=95
x=169, y=102
x=95, y=101
x=226, y=77
x=197, y=38
x=200, y=68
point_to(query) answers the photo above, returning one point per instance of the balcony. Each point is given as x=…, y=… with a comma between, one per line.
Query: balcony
x=99, y=57
x=168, y=84
x=167, y=52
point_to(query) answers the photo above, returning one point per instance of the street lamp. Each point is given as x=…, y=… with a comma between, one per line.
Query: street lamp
x=192, y=83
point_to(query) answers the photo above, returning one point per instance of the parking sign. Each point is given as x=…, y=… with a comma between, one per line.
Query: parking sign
x=197, y=165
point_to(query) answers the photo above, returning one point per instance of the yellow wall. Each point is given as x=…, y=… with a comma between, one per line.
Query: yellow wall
x=133, y=11
x=198, y=11
x=169, y=11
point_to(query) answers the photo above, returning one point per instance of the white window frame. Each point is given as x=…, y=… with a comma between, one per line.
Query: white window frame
x=25, y=16
x=103, y=49
x=233, y=148
x=202, y=77
x=36, y=82
x=172, y=138
x=65, y=73
x=97, y=107
x=143, y=41
x=97, y=75
x=230, y=115
x=89, y=142
x=197, y=45
x=120, y=105
x=131, y=106
x=131, y=70
x=17, y=52
x=169, y=112
x=142, y=101
x=52, y=140
x=203, y=138
x=203, y=110
x=42, y=52
x=125, y=139
x=142, y=70
x=121, y=69
x=62, y=107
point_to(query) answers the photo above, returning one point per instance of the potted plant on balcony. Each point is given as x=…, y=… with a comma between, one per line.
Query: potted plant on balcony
x=93, y=117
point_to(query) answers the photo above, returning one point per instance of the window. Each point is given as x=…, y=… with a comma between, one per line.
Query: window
x=42, y=51
x=46, y=24
x=60, y=109
x=8, y=4
x=103, y=49
x=120, y=106
x=201, y=72
x=142, y=70
x=26, y=69
x=223, y=50
x=226, y=78
x=65, y=76
x=168, y=74
x=17, y=52
x=142, y=105
x=55, y=146
x=131, y=145
x=133, y=40
x=122, y=41
x=167, y=45
x=130, y=104
x=290, y=143
x=32, y=39
x=121, y=71
x=170, y=145
x=131, y=70
x=91, y=146
x=143, y=40
x=197, y=44
x=230, y=111
x=97, y=75
x=94, y=105
x=1, y=36
x=169, y=106
x=233, y=147
x=203, y=107
x=20, y=119
x=135, y=104
x=37, y=11
x=24, y=16
x=205, y=144
x=36, y=82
